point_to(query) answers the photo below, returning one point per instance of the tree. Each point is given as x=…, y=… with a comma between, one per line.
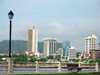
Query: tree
x=58, y=57
x=50, y=57
x=76, y=60
x=77, y=55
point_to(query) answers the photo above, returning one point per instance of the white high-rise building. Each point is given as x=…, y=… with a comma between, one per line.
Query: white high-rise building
x=49, y=46
x=72, y=53
x=90, y=43
x=32, y=44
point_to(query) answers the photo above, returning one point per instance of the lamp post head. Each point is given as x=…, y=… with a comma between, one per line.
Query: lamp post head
x=10, y=15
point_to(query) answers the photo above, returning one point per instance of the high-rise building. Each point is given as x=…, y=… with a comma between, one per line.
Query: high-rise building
x=32, y=44
x=65, y=44
x=94, y=54
x=65, y=47
x=49, y=46
x=90, y=43
x=72, y=53
x=65, y=51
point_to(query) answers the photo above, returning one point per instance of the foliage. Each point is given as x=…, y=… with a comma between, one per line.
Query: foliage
x=70, y=60
x=82, y=57
x=16, y=46
x=14, y=56
x=58, y=57
x=31, y=60
x=3, y=56
x=1, y=60
x=77, y=55
x=20, y=60
x=65, y=61
x=91, y=61
x=76, y=60
x=20, y=46
x=50, y=57
x=83, y=60
x=52, y=60
x=98, y=61
x=18, y=56
x=43, y=60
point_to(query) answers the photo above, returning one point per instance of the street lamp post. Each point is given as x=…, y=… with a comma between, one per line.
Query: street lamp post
x=9, y=68
x=10, y=15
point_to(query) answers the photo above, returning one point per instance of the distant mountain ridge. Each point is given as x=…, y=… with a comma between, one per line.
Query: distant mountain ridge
x=18, y=46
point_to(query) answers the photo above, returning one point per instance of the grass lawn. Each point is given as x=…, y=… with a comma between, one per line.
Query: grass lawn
x=92, y=73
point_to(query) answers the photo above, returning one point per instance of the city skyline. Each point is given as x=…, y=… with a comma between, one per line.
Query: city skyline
x=71, y=20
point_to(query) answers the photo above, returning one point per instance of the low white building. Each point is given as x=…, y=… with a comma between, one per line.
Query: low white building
x=55, y=54
x=72, y=53
x=37, y=54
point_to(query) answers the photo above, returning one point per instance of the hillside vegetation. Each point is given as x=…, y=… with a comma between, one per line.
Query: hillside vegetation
x=18, y=46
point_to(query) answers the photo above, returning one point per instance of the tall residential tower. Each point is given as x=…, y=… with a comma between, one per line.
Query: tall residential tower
x=65, y=47
x=49, y=46
x=32, y=44
x=65, y=44
x=90, y=43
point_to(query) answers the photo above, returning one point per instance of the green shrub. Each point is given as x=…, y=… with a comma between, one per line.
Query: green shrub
x=20, y=60
x=43, y=60
x=2, y=60
x=91, y=61
x=66, y=61
x=33, y=60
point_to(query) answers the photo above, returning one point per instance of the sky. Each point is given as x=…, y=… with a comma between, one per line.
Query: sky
x=66, y=20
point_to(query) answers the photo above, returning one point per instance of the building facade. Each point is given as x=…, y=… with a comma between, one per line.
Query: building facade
x=65, y=51
x=65, y=44
x=90, y=43
x=94, y=54
x=60, y=50
x=49, y=46
x=32, y=44
x=99, y=46
x=55, y=54
x=72, y=53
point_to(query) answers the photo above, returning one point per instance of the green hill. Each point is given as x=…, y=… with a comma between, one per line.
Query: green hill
x=18, y=46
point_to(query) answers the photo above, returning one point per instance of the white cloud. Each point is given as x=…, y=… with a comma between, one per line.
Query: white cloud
x=59, y=30
x=56, y=28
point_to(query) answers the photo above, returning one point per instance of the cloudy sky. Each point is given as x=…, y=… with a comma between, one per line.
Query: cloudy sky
x=71, y=20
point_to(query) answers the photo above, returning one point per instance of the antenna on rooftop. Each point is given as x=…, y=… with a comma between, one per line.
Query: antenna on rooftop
x=52, y=36
x=33, y=27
